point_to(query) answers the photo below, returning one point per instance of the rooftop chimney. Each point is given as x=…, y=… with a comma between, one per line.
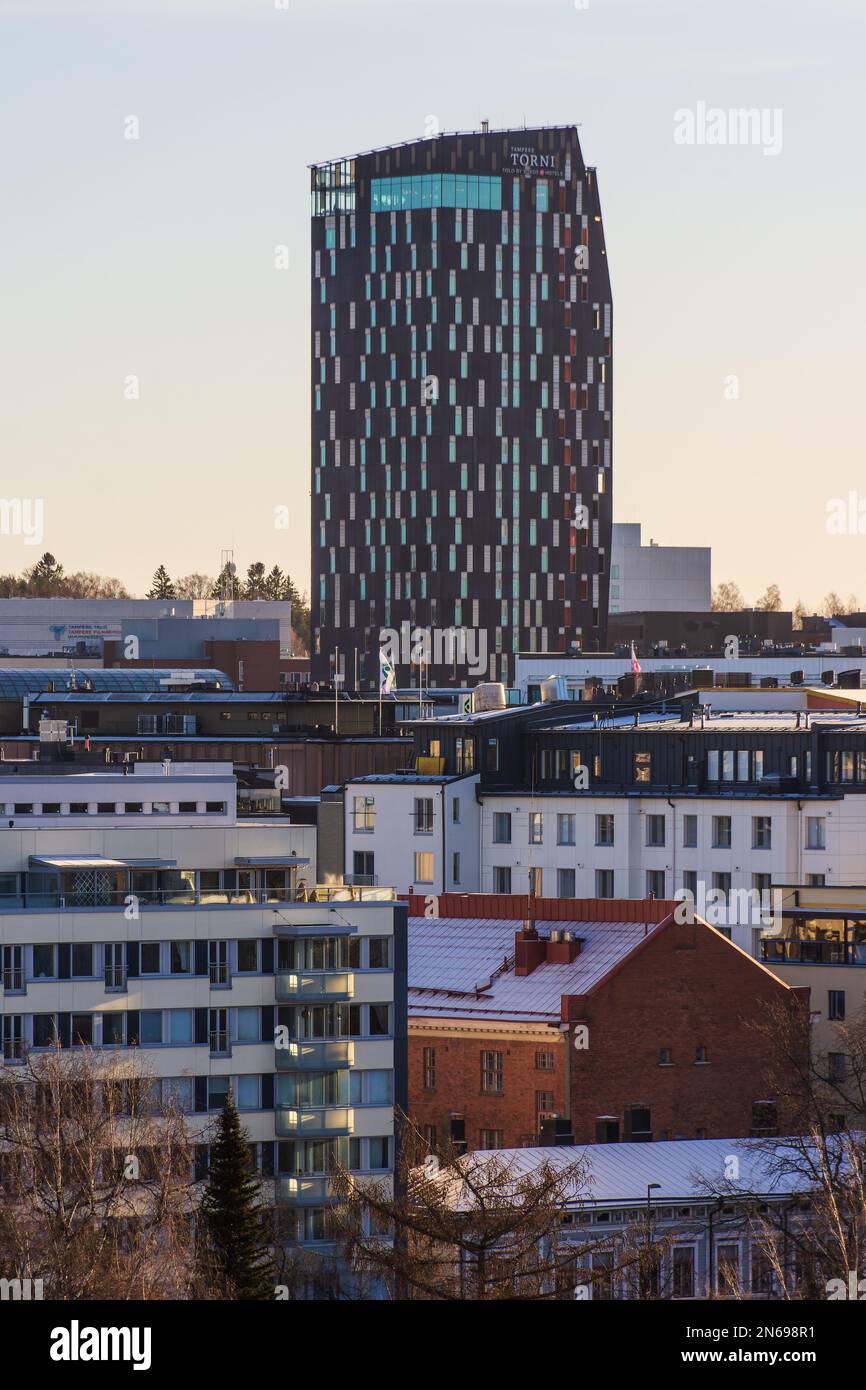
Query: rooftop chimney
x=529, y=950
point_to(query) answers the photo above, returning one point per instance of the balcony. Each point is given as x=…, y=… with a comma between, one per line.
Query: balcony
x=314, y=986
x=315, y=1054
x=315, y=1122
x=303, y=1190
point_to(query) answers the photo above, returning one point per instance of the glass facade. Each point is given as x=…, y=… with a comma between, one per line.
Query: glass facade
x=333, y=187
x=435, y=191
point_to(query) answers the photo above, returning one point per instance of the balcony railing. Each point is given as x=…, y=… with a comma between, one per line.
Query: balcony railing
x=812, y=952
x=315, y=1122
x=311, y=986
x=304, y=1190
x=315, y=1054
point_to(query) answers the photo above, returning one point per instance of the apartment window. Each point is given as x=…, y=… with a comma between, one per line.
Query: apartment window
x=429, y=1069
x=502, y=827
x=762, y=832
x=248, y=957
x=713, y=765
x=816, y=880
x=607, y=1130
x=536, y=827
x=424, y=866
x=455, y=810
x=816, y=837
x=565, y=828
x=565, y=883
x=655, y=831
x=604, y=830
x=604, y=883
x=455, y=866
x=430, y=1138
x=492, y=1072
x=535, y=877
x=836, y=1004
x=491, y=755
x=544, y=1061
x=363, y=866
x=665, y=1057
x=363, y=815
x=728, y=765
x=700, y=1055
x=464, y=754
x=218, y=962
x=115, y=965
x=722, y=884
x=721, y=832
x=423, y=816
x=642, y=763
x=690, y=832
x=690, y=883
x=181, y=958
x=501, y=878
x=491, y=1139
x=218, y=1033
x=655, y=883
x=13, y=1037
x=762, y=883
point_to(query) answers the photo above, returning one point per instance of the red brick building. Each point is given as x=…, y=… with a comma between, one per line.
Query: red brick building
x=608, y=1013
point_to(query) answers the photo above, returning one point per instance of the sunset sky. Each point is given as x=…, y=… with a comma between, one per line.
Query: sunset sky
x=153, y=258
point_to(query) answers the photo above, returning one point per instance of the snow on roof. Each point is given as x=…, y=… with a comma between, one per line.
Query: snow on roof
x=453, y=963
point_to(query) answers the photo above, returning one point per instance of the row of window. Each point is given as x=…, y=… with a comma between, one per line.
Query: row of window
x=492, y=1073
x=656, y=881
x=115, y=808
x=655, y=830
x=117, y=962
x=220, y=1029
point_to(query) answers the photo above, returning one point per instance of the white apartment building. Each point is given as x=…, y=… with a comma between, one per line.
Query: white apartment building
x=414, y=831
x=657, y=578
x=141, y=911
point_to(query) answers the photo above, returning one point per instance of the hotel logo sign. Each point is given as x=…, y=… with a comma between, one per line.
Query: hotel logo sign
x=525, y=160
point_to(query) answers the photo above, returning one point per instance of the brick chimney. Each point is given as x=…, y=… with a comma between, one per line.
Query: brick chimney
x=562, y=948
x=529, y=950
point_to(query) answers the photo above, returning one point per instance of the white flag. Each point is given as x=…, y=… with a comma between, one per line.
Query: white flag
x=387, y=674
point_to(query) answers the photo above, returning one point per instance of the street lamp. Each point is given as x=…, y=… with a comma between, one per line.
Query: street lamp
x=647, y=1274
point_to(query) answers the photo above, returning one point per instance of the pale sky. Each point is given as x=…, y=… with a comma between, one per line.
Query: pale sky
x=153, y=258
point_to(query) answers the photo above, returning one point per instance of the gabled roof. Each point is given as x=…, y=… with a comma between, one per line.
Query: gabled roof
x=457, y=967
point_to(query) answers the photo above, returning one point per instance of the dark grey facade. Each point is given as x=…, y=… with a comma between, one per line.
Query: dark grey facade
x=461, y=437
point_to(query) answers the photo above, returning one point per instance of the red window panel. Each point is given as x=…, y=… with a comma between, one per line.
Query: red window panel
x=572, y=397
x=584, y=398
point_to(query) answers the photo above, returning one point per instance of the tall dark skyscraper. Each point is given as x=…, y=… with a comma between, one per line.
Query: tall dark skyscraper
x=461, y=455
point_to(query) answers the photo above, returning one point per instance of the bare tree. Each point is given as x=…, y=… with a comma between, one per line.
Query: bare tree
x=771, y=599
x=95, y=1194
x=473, y=1227
x=195, y=586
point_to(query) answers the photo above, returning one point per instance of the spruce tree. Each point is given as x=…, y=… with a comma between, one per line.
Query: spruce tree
x=161, y=585
x=231, y=1215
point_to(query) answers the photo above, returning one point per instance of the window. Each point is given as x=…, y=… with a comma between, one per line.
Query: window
x=565, y=883
x=502, y=828
x=150, y=1027
x=604, y=830
x=664, y=1057
x=218, y=1032
x=82, y=961
x=762, y=832
x=363, y=815
x=379, y=1152
x=379, y=1020
x=655, y=883
x=379, y=952
x=607, y=1130
x=362, y=866
x=150, y=964
x=642, y=767
x=765, y=1120
x=722, y=884
x=683, y=1271
x=491, y=755
x=429, y=1065
x=837, y=1066
x=248, y=957
x=424, y=866
x=423, y=815
x=545, y=1104
x=491, y=1072
x=713, y=765
x=655, y=831
x=536, y=827
x=501, y=878
x=836, y=1004
x=181, y=958
x=604, y=883
x=700, y=1056
x=455, y=866
x=816, y=832
x=565, y=829
x=248, y=1024
x=491, y=1139
x=455, y=810
x=721, y=832
x=180, y=1026
x=544, y=1061
x=690, y=832
x=638, y=1125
